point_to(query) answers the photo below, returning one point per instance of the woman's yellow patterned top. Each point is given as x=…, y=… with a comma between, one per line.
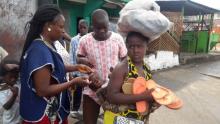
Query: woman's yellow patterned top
x=133, y=72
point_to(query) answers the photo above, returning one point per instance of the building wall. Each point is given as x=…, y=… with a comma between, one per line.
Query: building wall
x=217, y=16
x=13, y=16
x=74, y=11
x=71, y=11
x=191, y=44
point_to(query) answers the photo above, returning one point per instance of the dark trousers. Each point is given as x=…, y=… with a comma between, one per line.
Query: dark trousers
x=90, y=110
x=77, y=98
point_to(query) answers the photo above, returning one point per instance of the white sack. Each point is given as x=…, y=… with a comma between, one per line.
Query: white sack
x=150, y=23
x=141, y=4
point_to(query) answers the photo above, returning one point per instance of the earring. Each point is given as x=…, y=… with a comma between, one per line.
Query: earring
x=49, y=29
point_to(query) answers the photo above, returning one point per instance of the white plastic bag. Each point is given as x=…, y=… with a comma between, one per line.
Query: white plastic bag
x=143, y=16
x=141, y=4
x=149, y=23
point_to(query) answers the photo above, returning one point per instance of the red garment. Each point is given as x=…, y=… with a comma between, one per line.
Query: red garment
x=46, y=120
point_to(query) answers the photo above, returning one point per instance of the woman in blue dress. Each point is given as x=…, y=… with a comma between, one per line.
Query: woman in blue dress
x=44, y=88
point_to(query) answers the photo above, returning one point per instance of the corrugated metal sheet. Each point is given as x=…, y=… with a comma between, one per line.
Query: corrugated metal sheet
x=190, y=7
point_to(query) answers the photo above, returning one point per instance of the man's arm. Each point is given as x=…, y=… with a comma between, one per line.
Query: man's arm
x=122, y=48
x=66, y=37
x=82, y=53
x=72, y=51
x=83, y=60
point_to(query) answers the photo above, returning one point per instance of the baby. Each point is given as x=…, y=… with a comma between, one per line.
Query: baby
x=9, y=91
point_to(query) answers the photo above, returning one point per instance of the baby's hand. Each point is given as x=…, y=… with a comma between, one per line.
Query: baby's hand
x=14, y=90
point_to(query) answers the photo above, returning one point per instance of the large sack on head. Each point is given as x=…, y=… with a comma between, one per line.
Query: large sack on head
x=149, y=23
x=141, y=4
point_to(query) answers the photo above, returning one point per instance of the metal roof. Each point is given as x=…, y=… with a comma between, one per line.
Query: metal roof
x=190, y=7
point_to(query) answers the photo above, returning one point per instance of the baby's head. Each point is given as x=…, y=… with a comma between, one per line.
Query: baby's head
x=9, y=71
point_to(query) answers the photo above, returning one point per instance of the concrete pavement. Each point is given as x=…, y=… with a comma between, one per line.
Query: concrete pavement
x=188, y=58
x=198, y=86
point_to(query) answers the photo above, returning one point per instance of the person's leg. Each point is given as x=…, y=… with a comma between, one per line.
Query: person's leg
x=77, y=98
x=72, y=91
x=90, y=110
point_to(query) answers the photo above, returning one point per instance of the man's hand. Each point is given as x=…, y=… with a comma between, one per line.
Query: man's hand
x=85, y=61
x=96, y=81
x=111, y=70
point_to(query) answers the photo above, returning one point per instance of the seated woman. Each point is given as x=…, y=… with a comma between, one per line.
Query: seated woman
x=132, y=67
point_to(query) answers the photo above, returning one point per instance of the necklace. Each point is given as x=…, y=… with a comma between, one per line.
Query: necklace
x=47, y=44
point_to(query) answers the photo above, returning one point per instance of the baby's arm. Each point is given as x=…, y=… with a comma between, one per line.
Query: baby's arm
x=11, y=101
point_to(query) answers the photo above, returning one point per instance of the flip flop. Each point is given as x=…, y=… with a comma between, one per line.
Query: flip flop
x=164, y=96
x=159, y=92
x=176, y=104
x=139, y=86
x=167, y=99
x=151, y=84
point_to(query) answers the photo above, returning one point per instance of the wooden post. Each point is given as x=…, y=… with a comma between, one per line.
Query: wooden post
x=209, y=31
x=197, y=34
x=182, y=15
